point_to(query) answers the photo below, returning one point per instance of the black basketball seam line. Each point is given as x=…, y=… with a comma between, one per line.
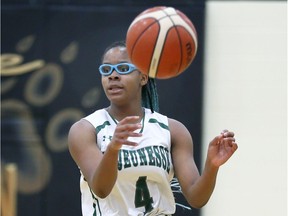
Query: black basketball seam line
x=163, y=49
x=179, y=39
x=155, y=47
x=167, y=15
x=181, y=50
x=139, y=36
x=157, y=20
x=179, y=34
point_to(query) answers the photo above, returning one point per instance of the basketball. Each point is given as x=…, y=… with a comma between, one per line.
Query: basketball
x=161, y=42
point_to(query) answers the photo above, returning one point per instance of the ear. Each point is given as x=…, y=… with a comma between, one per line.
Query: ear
x=144, y=79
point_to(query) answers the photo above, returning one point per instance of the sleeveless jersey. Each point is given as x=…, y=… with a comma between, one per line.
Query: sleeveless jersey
x=144, y=171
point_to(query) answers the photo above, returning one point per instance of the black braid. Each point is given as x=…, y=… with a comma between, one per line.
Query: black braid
x=150, y=96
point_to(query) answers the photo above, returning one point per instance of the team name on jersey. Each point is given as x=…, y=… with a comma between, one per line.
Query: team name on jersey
x=148, y=156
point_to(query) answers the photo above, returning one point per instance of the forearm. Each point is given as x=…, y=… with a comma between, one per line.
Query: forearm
x=105, y=175
x=201, y=191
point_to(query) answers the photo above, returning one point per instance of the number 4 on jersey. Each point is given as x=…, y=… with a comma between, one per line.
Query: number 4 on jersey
x=142, y=195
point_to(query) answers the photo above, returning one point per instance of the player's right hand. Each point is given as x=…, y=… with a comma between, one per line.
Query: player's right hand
x=125, y=129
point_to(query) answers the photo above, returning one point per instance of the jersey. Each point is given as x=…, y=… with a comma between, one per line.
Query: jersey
x=144, y=171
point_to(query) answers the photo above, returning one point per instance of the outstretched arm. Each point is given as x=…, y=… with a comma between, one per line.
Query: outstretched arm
x=197, y=188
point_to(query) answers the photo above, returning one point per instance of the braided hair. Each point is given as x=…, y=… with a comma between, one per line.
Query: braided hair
x=149, y=91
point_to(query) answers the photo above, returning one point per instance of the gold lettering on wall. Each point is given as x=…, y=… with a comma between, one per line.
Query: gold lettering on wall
x=91, y=97
x=32, y=139
x=34, y=165
x=11, y=65
x=44, y=85
x=69, y=54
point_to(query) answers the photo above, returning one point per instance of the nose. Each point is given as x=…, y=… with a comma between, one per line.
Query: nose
x=114, y=75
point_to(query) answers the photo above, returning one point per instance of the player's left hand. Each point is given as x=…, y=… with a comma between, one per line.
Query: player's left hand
x=221, y=148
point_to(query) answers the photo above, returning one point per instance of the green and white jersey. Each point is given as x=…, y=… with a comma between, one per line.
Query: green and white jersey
x=144, y=172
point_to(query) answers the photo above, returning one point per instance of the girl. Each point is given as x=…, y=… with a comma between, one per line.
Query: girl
x=128, y=152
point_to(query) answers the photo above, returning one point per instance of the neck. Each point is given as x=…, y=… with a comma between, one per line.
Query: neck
x=121, y=112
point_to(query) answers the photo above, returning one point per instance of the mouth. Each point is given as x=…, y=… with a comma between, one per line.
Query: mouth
x=114, y=89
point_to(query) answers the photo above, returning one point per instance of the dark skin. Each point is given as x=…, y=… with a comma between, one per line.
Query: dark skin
x=124, y=93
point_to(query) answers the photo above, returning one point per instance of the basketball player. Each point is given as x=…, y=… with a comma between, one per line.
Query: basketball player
x=128, y=152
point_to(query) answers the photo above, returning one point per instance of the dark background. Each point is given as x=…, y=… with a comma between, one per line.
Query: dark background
x=70, y=37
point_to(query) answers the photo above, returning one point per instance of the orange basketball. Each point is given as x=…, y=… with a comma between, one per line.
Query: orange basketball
x=161, y=42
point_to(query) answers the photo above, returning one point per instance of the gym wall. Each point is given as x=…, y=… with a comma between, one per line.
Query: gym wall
x=245, y=90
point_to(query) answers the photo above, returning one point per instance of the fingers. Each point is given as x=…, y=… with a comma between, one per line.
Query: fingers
x=234, y=146
x=225, y=138
x=226, y=133
x=217, y=140
x=126, y=128
x=228, y=140
x=228, y=136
